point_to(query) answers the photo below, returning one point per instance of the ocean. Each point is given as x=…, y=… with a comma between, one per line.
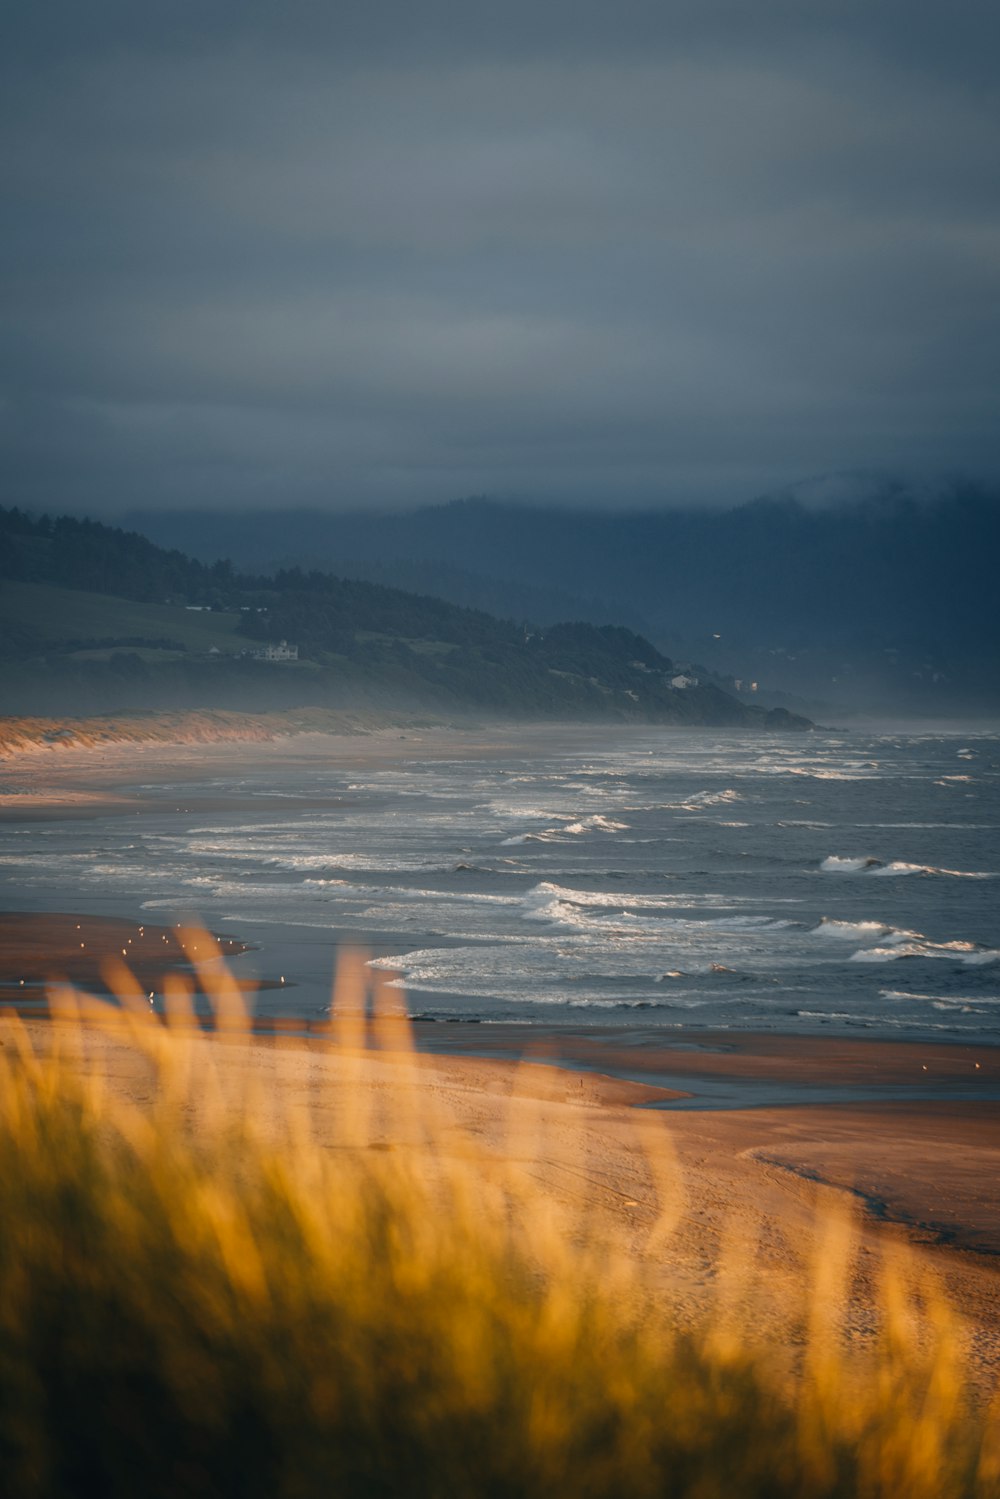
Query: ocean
x=825, y=882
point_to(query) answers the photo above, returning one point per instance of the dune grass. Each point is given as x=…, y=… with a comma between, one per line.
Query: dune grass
x=198, y=1297
x=23, y=735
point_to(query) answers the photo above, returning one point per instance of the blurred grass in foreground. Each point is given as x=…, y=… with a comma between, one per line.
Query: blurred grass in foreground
x=198, y=1298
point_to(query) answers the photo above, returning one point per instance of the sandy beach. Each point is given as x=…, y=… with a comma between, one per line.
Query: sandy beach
x=767, y=1130
x=750, y=1192
x=751, y=1183
x=74, y=767
x=84, y=775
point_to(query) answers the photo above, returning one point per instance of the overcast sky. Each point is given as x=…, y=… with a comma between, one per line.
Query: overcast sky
x=379, y=252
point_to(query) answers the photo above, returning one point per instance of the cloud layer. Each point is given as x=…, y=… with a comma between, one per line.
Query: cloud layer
x=613, y=254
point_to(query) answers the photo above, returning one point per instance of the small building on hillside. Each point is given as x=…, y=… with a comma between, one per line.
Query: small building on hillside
x=683, y=680
x=280, y=652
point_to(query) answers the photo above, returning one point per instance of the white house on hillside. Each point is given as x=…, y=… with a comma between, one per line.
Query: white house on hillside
x=280, y=652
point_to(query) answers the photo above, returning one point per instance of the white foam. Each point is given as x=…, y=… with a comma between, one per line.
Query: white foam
x=853, y=931
x=834, y=864
x=595, y=824
x=941, y=1000
x=900, y=867
x=814, y=774
x=574, y=828
x=523, y=814
x=969, y=953
x=699, y=800
x=604, y=912
x=548, y=890
x=550, y=836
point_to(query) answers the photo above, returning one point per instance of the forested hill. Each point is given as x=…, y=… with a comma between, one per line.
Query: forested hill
x=886, y=601
x=87, y=555
x=98, y=619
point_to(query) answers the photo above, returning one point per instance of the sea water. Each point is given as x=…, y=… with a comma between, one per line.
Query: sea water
x=677, y=878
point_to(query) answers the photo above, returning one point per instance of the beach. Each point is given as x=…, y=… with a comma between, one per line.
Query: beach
x=768, y=1129
x=752, y=1185
x=751, y=1191
x=547, y=874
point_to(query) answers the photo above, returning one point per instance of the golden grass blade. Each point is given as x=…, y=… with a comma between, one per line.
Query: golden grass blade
x=356, y=1280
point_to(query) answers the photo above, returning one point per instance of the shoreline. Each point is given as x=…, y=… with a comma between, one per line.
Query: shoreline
x=166, y=780
x=753, y=1169
x=905, y=1133
x=26, y=739
x=24, y=735
x=303, y=968
x=117, y=777
x=757, y=1183
x=889, y=1120
x=714, y=1068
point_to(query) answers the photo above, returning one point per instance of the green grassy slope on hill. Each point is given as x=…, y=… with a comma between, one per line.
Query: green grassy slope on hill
x=56, y=617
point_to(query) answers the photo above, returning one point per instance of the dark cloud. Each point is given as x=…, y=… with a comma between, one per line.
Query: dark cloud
x=620, y=254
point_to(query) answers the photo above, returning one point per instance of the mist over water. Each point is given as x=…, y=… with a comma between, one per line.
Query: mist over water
x=678, y=879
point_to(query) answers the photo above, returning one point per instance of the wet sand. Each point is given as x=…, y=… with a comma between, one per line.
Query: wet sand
x=724, y=1069
x=58, y=947
x=909, y=1130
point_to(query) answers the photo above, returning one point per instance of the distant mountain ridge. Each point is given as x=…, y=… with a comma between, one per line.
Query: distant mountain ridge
x=891, y=600
x=94, y=618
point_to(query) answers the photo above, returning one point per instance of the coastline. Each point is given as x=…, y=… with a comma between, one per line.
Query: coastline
x=911, y=1128
x=29, y=735
x=752, y=1190
x=28, y=738
x=906, y=1134
x=95, y=774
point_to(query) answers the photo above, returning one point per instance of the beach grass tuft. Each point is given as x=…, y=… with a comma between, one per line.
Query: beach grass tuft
x=200, y=1296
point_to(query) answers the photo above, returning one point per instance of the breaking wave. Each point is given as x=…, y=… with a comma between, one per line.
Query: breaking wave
x=856, y=931
x=586, y=910
x=913, y=945
x=574, y=829
x=835, y=864
x=699, y=800
x=889, y=943
x=942, y=1001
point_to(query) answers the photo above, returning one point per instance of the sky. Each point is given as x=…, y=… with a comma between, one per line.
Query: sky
x=383, y=252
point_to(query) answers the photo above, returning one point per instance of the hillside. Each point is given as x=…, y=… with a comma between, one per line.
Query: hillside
x=886, y=602
x=94, y=619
